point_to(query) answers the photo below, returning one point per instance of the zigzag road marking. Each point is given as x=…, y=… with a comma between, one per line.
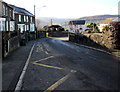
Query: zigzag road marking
x=47, y=66
x=56, y=84
x=43, y=59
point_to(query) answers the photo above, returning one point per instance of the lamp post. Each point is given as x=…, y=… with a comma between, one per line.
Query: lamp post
x=36, y=31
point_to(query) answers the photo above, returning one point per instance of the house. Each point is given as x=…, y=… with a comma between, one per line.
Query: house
x=76, y=26
x=24, y=22
x=107, y=22
x=16, y=24
x=10, y=39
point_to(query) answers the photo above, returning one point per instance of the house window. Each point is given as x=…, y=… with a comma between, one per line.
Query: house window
x=10, y=12
x=21, y=27
x=19, y=18
x=24, y=18
x=13, y=15
x=6, y=11
x=12, y=26
x=27, y=27
x=32, y=27
x=2, y=24
x=27, y=18
x=3, y=9
x=31, y=19
x=7, y=26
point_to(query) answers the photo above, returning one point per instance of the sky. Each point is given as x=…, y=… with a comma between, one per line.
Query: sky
x=68, y=8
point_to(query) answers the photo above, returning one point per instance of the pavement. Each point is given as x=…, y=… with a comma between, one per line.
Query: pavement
x=12, y=66
x=57, y=64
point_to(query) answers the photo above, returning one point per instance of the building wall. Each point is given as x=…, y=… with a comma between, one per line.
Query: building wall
x=8, y=34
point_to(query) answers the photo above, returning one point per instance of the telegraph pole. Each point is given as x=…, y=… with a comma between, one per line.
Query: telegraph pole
x=51, y=22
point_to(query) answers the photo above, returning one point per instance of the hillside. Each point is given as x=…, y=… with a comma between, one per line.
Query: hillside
x=47, y=20
x=99, y=18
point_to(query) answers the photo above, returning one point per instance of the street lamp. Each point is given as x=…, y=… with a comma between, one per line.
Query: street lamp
x=36, y=18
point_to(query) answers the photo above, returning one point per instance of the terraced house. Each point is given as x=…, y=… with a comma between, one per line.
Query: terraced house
x=16, y=25
x=24, y=22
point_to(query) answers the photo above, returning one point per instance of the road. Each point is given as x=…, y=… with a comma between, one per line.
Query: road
x=57, y=64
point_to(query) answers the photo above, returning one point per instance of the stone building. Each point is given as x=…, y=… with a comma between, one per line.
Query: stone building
x=16, y=24
x=7, y=28
x=24, y=23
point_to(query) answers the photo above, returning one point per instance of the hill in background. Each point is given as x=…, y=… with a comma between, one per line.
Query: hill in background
x=99, y=18
x=96, y=19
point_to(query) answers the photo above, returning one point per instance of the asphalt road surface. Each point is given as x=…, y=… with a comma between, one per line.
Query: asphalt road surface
x=57, y=64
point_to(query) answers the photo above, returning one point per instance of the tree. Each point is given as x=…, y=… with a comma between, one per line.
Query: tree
x=37, y=21
x=46, y=28
x=94, y=27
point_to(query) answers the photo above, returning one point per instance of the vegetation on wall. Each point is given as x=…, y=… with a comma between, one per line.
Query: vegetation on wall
x=94, y=28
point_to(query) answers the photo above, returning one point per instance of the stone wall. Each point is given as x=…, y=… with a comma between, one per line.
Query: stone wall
x=58, y=34
x=110, y=39
x=41, y=34
x=10, y=41
x=13, y=43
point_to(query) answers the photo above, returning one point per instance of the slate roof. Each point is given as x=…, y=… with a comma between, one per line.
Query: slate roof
x=77, y=22
x=20, y=10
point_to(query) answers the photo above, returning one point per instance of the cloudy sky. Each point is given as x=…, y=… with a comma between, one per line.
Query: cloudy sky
x=68, y=8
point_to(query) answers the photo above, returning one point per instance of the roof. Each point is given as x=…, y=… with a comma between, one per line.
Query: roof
x=6, y=4
x=21, y=10
x=77, y=22
x=56, y=26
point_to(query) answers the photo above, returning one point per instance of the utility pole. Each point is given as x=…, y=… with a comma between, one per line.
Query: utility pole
x=51, y=22
x=35, y=23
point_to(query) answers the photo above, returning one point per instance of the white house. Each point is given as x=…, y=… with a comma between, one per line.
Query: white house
x=77, y=26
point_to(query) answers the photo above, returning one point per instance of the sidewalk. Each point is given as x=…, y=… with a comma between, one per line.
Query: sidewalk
x=12, y=66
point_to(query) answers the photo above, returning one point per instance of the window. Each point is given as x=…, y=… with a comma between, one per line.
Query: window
x=27, y=18
x=32, y=27
x=21, y=27
x=6, y=11
x=31, y=19
x=3, y=9
x=7, y=26
x=19, y=18
x=24, y=18
x=27, y=27
x=12, y=26
x=10, y=12
x=2, y=24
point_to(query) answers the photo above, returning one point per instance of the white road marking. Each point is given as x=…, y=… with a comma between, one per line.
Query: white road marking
x=19, y=84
